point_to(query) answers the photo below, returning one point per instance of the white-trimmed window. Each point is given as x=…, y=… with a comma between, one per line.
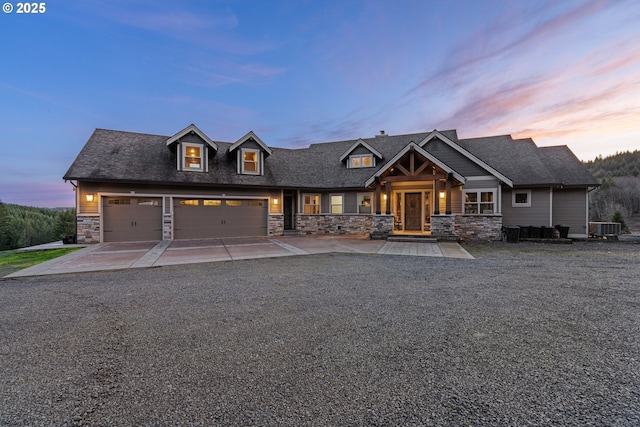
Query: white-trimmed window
x=192, y=157
x=521, y=199
x=311, y=204
x=336, y=203
x=250, y=161
x=479, y=202
x=365, y=203
x=361, y=161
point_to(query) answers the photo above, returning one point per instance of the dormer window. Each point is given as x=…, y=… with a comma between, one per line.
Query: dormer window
x=361, y=161
x=192, y=149
x=250, y=154
x=360, y=155
x=192, y=158
x=250, y=161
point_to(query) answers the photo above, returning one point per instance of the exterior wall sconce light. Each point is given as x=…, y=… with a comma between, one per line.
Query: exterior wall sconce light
x=89, y=197
x=442, y=194
x=276, y=201
x=384, y=196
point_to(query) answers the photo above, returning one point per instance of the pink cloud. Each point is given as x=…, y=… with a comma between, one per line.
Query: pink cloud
x=603, y=62
x=490, y=45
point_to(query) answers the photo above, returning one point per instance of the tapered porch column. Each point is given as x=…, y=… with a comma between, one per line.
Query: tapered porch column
x=378, y=201
x=448, y=200
x=387, y=186
x=436, y=190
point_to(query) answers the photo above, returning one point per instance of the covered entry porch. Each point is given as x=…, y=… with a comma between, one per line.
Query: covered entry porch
x=417, y=190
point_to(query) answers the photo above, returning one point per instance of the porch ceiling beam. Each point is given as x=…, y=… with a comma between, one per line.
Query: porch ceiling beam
x=424, y=177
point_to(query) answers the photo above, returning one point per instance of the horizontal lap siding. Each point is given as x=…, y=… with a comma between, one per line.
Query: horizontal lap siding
x=570, y=208
x=536, y=215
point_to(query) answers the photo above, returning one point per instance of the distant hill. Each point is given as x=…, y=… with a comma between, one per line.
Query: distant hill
x=619, y=189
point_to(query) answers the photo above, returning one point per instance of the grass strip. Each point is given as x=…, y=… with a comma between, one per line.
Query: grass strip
x=13, y=260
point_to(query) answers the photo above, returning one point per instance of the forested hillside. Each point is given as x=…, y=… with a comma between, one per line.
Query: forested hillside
x=619, y=192
x=22, y=226
x=620, y=164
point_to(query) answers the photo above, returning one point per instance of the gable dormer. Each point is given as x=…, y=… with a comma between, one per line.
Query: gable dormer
x=193, y=148
x=250, y=152
x=360, y=155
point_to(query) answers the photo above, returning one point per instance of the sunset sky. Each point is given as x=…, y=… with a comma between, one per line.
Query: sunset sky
x=300, y=72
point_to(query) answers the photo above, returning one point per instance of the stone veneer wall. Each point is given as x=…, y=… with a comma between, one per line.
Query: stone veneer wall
x=276, y=225
x=382, y=225
x=443, y=225
x=167, y=226
x=88, y=227
x=343, y=224
x=485, y=227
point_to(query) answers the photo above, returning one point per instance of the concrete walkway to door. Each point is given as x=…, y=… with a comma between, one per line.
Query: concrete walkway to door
x=122, y=255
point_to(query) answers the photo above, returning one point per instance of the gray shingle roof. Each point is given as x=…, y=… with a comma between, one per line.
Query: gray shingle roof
x=119, y=156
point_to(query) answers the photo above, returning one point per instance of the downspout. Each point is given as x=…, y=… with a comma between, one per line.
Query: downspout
x=550, y=206
x=75, y=191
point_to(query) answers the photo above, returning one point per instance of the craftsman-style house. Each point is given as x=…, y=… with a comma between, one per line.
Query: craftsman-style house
x=133, y=186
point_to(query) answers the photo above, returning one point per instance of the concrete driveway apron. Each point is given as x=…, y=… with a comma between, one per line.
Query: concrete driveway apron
x=122, y=255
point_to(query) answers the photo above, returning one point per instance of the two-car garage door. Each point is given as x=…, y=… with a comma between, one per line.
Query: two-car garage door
x=140, y=218
x=207, y=218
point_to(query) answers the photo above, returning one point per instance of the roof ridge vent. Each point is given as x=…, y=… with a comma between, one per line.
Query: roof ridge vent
x=382, y=133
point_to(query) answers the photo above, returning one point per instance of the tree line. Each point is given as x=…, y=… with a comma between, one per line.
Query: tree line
x=626, y=163
x=22, y=226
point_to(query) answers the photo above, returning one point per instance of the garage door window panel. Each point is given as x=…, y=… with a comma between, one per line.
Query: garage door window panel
x=119, y=201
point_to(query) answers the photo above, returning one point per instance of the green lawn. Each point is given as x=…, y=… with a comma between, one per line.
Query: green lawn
x=11, y=261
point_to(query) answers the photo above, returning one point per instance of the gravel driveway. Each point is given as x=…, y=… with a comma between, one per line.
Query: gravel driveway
x=526, y=334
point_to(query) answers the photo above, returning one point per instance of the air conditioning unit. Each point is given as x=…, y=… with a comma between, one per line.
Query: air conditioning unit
x=602, y=229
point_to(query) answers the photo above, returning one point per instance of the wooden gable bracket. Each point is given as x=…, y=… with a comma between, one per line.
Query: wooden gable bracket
x=413, y=173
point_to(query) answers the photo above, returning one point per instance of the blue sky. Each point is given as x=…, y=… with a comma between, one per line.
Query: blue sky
x=299, y=72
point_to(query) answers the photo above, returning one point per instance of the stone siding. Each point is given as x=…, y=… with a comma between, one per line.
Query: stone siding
x=443, y=225
x=88, y=227
x=276, y=225
x=479, y=227
x=342, y=224
x=167, y=226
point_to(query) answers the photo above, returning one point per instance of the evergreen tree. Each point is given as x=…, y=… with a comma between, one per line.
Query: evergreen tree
x=617, y=217
x=65, y=222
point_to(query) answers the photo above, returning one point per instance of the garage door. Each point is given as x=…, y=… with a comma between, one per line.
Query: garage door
x=131, y=218
x=211, y=218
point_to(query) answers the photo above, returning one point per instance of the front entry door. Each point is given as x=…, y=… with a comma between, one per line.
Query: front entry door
x=289, y=209
x=413, y=211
